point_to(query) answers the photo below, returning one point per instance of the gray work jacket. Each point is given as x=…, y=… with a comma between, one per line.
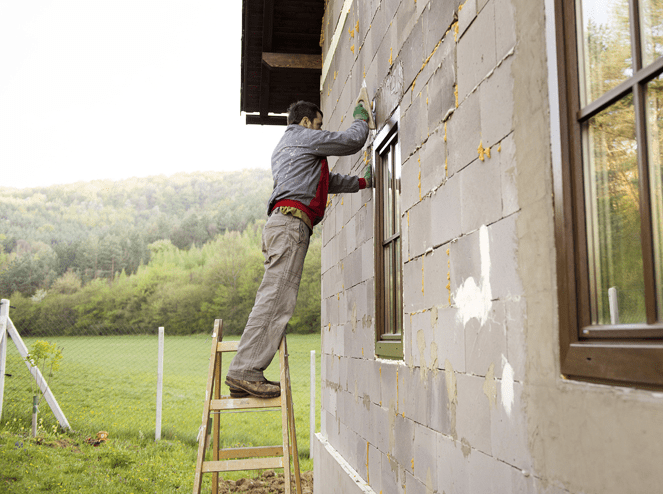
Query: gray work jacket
x=296, y=161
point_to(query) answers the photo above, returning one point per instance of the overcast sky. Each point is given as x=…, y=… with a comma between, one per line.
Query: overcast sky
x=122, y=88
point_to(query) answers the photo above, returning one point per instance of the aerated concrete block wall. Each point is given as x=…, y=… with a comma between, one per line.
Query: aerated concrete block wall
x=470, y=82
x=452, y=406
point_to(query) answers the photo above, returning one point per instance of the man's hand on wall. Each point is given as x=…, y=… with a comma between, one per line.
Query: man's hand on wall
x=360, y=113
x=368, y=176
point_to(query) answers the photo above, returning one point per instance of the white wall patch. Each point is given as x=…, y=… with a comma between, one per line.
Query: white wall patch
x=507, y=386
x=472, y=299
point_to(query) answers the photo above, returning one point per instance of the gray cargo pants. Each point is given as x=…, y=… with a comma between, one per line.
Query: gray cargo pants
x=285, y=240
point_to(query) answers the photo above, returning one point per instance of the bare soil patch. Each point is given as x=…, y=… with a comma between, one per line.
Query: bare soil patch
x=62, y=443
x=268, y=483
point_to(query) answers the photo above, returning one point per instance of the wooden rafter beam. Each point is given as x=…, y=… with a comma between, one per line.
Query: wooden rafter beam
x=266, y=120
x=292, y=61
x=267, y=35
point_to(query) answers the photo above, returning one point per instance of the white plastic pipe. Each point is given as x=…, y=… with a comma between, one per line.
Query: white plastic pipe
x=613, y=303
x=157, y=431
x=312, y=407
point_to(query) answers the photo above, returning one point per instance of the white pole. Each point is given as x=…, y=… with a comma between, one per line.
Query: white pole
x=157, y=432
x=613, y=302
x=4, y=315
x=312, y=407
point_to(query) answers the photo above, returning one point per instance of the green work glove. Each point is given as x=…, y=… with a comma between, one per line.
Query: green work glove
x=360, y=113
x=368, y=176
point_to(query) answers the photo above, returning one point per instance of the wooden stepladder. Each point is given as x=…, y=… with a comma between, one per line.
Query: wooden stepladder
x=251, y=458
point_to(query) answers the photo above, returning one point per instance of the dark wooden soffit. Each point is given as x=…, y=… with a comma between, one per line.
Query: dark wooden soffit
x=281, y=57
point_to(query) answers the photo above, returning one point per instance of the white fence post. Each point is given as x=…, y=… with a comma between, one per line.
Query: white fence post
x=4, y=315
x=157, y=432
x=312, y=407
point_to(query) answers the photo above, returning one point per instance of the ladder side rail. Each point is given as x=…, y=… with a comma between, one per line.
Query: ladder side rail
x=202, y=433
x=295, y=453
x=284, y=416
x=217, y=417
x=291, y=416
x=38, y=377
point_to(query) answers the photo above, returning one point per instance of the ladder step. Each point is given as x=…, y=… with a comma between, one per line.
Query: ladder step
x=235, y=465
x=227, y=346
x=257, y=451
x=226, y=403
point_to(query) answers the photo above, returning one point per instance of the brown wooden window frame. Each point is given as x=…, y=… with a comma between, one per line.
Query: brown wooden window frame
x=388, y=319
x=622, y=354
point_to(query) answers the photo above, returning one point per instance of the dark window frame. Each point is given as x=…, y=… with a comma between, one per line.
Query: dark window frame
x=388, y=345
x=613, y=354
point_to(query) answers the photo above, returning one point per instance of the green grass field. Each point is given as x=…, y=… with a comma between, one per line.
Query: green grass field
x=109, y=383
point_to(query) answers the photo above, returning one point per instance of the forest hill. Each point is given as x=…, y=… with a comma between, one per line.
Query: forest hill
x=130, y=256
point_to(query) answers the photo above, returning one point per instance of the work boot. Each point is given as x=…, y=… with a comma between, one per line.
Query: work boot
x=259, y=389
x=237, y=393
x=240, y=393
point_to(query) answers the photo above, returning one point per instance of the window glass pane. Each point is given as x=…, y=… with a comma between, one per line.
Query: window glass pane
x=613, y=215
x=651, y=27
x=388, y=289
x=606, y=46
x=397, y=189
x=390, y=283
x=655, y=146
x=398, y=323
x=387, y=196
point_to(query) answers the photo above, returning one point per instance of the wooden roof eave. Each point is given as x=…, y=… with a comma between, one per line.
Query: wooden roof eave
x=278, y=66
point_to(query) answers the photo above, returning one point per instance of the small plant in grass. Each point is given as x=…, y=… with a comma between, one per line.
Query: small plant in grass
x=45, y=357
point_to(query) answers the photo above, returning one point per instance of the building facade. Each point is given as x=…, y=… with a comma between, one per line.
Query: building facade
x=491, y=310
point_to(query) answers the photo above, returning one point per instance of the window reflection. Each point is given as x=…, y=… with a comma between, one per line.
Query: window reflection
x=397, y=189
x=388, y=201
x=388, y=289
x=605, y=45
x=655, y=147
x=651, y=27
x=398, y=286
x=613, y=215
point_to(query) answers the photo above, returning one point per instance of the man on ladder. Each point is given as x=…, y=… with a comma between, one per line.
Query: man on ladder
x=301, y=183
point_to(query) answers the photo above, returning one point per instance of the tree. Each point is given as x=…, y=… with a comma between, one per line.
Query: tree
x=234, y=274
x=43, y=356
x=25, y=274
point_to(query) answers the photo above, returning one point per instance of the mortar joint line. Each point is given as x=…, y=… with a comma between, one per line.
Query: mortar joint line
x=491, y=72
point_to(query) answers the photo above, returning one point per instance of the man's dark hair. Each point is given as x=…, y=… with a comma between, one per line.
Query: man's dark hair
x=297, y=111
